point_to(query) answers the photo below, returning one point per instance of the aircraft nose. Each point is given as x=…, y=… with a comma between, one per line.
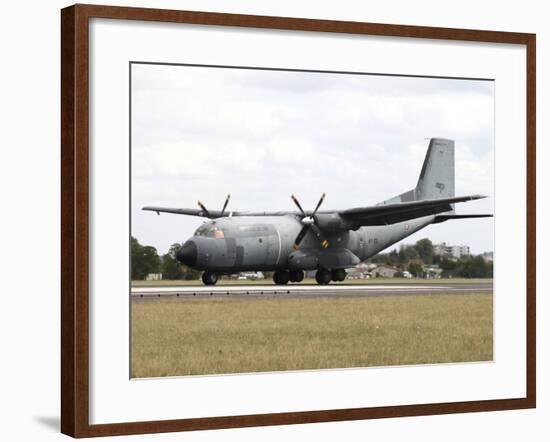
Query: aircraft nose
x=187, y=254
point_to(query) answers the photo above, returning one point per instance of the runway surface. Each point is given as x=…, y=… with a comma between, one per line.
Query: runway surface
x=331, y=290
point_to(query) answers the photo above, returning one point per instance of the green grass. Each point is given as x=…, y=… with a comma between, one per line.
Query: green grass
x=180, y=282
x=205, y=336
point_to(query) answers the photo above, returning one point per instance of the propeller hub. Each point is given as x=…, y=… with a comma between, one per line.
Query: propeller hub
x=308, y=222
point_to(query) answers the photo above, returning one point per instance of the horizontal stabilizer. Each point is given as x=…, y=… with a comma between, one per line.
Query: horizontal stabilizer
x=442, y=218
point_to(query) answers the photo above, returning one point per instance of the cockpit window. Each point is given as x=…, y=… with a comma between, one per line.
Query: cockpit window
x=209, y=231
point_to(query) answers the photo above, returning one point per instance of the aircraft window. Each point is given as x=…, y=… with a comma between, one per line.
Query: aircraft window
x=210, y=232
x=202, y=231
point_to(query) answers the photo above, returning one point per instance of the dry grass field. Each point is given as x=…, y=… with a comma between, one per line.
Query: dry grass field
x=208, y=336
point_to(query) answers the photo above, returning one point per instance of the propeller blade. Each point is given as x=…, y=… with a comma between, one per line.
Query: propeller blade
x=319, y=235
x=319, y=204
x=204, y=209
x=225, y=204
x=300, y=237
x=316, y=230
x=298, y=204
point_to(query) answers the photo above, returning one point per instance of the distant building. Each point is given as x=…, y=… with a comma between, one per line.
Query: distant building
x=487, y=256
x=247, y=275
x=432, y=272
x=449, y=251
x=153, y=277
x=384, y=271
x=360, y=271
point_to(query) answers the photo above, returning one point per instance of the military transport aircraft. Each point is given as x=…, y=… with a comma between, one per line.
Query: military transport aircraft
x=327, y=242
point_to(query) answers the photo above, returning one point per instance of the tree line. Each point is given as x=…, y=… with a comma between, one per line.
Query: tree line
x=414, y=258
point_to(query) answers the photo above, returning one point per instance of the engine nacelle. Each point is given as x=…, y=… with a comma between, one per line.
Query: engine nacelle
x=299, y=260
x=332, y=223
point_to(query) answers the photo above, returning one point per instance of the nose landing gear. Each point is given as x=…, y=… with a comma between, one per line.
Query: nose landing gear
x=209, y=278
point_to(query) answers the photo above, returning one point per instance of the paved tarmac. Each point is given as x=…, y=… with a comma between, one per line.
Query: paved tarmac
x=309, y=290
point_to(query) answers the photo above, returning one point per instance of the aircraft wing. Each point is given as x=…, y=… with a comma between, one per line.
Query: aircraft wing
x=361, y=216
x=397, y=212
x=213, y=214
x=192, y=212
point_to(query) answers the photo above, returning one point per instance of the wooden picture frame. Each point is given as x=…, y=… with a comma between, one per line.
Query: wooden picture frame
x=75, y=247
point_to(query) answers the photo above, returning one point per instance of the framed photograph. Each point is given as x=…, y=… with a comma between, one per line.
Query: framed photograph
x=271, y=221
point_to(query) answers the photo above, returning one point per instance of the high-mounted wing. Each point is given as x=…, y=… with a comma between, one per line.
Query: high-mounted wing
x=360, y=216
x=397, y=212
x=192, y=212
x=213, y=214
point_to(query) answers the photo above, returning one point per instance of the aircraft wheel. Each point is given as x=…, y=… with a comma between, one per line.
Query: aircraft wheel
x=322, y=276
x=281, y=277
x=296, y=276
x=338, y=274
x=209, y=278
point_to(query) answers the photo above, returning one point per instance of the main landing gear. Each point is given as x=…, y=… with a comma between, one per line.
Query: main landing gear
x=338, y=275
x=282, y=277
x=323, y=276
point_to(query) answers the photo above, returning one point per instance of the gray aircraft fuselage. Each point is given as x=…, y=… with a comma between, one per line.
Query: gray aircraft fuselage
x=252, y=243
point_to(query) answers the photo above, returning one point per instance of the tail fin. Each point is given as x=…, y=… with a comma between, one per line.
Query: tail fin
x=437, y=177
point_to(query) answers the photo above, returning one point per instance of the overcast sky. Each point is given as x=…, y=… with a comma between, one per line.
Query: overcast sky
x=260, y=135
